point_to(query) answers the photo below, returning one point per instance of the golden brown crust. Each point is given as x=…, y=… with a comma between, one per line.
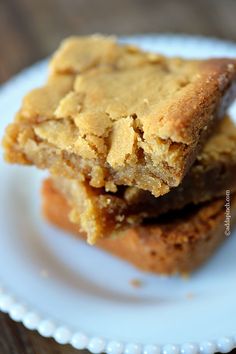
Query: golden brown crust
x=176, y=245
x=137, y=118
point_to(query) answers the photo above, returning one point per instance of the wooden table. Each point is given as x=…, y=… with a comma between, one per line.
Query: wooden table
x=32, y=29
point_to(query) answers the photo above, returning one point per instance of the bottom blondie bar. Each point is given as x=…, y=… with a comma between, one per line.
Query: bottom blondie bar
x=179, y=243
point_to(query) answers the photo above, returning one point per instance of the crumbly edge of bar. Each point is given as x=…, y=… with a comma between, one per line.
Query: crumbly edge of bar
x=213, y=172
x=98, y=215
x=23, y=146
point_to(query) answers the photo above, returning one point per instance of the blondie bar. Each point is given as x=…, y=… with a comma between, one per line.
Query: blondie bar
x=101, y=214
x=114, y=115
x=179, y=243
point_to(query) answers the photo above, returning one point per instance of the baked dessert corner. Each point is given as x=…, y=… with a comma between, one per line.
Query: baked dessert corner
x=115, y=115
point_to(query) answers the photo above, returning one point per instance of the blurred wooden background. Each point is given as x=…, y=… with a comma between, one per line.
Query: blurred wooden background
x=32, y=29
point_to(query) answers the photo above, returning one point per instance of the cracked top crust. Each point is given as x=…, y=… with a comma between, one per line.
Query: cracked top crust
x=122, y=81
x=124, y=107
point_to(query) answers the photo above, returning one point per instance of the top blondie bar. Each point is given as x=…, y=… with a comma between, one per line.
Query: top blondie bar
x=115, y=115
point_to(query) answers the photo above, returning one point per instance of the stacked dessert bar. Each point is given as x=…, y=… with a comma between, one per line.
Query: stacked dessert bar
x=139, y=149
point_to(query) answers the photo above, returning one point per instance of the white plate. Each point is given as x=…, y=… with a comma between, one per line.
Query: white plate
x=80, y=295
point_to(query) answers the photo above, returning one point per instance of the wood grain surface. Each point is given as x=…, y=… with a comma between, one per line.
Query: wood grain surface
x=32, y=29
